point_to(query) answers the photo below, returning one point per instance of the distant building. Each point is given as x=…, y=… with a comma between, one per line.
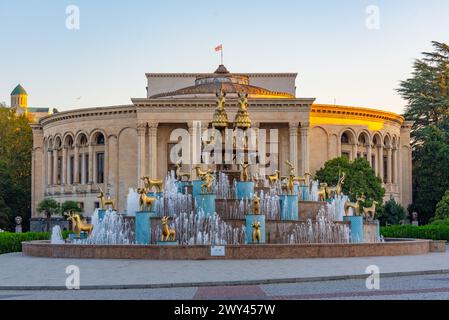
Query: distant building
x=19, y=101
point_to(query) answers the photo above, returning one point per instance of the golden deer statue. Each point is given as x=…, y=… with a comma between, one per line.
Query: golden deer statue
x=244, y=175
x=322, y=193
x=291, y=167
x=354, y=205
x=152, y=183
x=206, y=185
x=338, y=189
x=289, y=185
x=256, y=205
x=179, y=175
x=167, y=233
x=370, y=212
x=257, y=234
x=105, y=202
x=200, y=173
x=78, y=225
x=146, y=203
x=305, y=180
x=274, y=178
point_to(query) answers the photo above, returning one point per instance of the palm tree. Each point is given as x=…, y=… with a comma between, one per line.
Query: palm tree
x=49, y=207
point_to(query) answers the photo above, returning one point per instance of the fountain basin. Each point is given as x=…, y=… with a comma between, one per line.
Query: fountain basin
x=232, y=252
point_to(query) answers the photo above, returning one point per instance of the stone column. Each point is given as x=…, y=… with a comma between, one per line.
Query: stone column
x=369, y=154
x=152, y=131
x=305, y=127
x=141, y=133
x=106, y=164
x=64, y=166
x=49, y=168
x=76, y=165
x=83, y=169
x=293, y=129
x=395, y=165
x=389, y=160
x=55, y=166
x=354, y=151
x=91, y=165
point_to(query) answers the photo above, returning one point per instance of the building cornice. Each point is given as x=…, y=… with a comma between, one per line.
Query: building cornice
x=195, y=75
x=333, y=111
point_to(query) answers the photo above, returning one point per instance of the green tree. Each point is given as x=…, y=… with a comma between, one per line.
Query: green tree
x=360, y=178
x=49, y=207
x=16, y=143
x=427, y=91
x=391, y=213
x=430, y=171
x=442, y=209
x=70, y=206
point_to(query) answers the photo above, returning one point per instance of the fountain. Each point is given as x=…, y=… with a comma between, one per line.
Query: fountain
x=56, y=235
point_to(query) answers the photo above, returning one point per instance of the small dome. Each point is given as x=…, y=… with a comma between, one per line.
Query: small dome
x=18, y=90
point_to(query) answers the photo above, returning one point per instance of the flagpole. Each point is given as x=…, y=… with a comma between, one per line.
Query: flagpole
x=222, y=54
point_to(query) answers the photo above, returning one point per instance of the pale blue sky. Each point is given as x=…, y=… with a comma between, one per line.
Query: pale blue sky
x=325, y=41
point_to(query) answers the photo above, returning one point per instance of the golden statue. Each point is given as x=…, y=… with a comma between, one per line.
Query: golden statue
x=242, y=119
x=167, y=233
x=305, y=180
x=79, y=225
x=354, y=205
x=322, y=193
x=244, y=175
x=146, y=203
x=152, y=183
x=257, y=235
x=274, y=177
x=370, y=212
x=220, y=120
x=200, y=173
x=289, y=187
x=179, y=175
x=206, y=186
x=256, y=205
x=105, y=202
x=338, y=189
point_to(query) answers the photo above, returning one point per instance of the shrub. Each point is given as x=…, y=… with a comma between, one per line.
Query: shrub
x=442, y=210
x=431, y=232
x=12, y=242
x=391, y=213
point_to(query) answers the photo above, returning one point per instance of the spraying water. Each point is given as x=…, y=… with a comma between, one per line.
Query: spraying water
x=56, y=235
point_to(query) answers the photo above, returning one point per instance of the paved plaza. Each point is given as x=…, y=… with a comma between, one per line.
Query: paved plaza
x=19, y=272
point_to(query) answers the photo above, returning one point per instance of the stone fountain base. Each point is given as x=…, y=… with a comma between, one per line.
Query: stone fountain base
x=232, y=252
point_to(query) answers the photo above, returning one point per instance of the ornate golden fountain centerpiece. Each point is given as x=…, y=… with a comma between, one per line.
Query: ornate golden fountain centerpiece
x=242, y=118
x=220, y=120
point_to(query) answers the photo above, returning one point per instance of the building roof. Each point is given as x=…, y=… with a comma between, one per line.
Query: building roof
x=18, y=90
x=222, y=79
x=38, y=109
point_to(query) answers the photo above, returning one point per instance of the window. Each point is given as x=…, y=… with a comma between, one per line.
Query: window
x=80, y=168
x=97, y=205
x=373, y=160
x=86, y=165
x=58, y=181
x=344, y=138
x=100, y=139
x=100, y=167
x=72, y=168
x=385, y=169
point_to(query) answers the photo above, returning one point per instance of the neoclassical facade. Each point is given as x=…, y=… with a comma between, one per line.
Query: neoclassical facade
x=76, y=152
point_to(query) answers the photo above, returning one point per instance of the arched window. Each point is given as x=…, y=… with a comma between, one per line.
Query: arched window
x=344, y=138
x=100, y=139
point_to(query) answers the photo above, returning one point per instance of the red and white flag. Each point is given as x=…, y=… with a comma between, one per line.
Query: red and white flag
x=219, y=48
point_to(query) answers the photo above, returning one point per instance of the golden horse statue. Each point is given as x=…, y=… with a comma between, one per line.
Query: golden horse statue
x=206, y=185
x=354, y=205
x=257, y=234
x=78, y=225
x=152, y=183
x=244, y=175
x=305, y=179
x=256, y=205
x=338, y=189
x=290, y=185
x=167, y=233
x=105, y=202
x=273, y=178
x=322, y=193
x=370, y=212
x=146, y=203
x=179, y=175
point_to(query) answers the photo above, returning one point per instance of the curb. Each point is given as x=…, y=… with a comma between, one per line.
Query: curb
x=224, y=283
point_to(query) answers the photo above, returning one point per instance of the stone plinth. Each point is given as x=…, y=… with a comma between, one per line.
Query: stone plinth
x=356, y=228
x=196, y=187
x=205, y=203
x=289, y=207
x=244, y=190
x=143, y=227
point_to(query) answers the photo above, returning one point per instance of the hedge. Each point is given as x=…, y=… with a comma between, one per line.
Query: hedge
x=431, y=232
x=12, y=242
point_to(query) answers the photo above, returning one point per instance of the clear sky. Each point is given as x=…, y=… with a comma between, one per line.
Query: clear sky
x=328, y=42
